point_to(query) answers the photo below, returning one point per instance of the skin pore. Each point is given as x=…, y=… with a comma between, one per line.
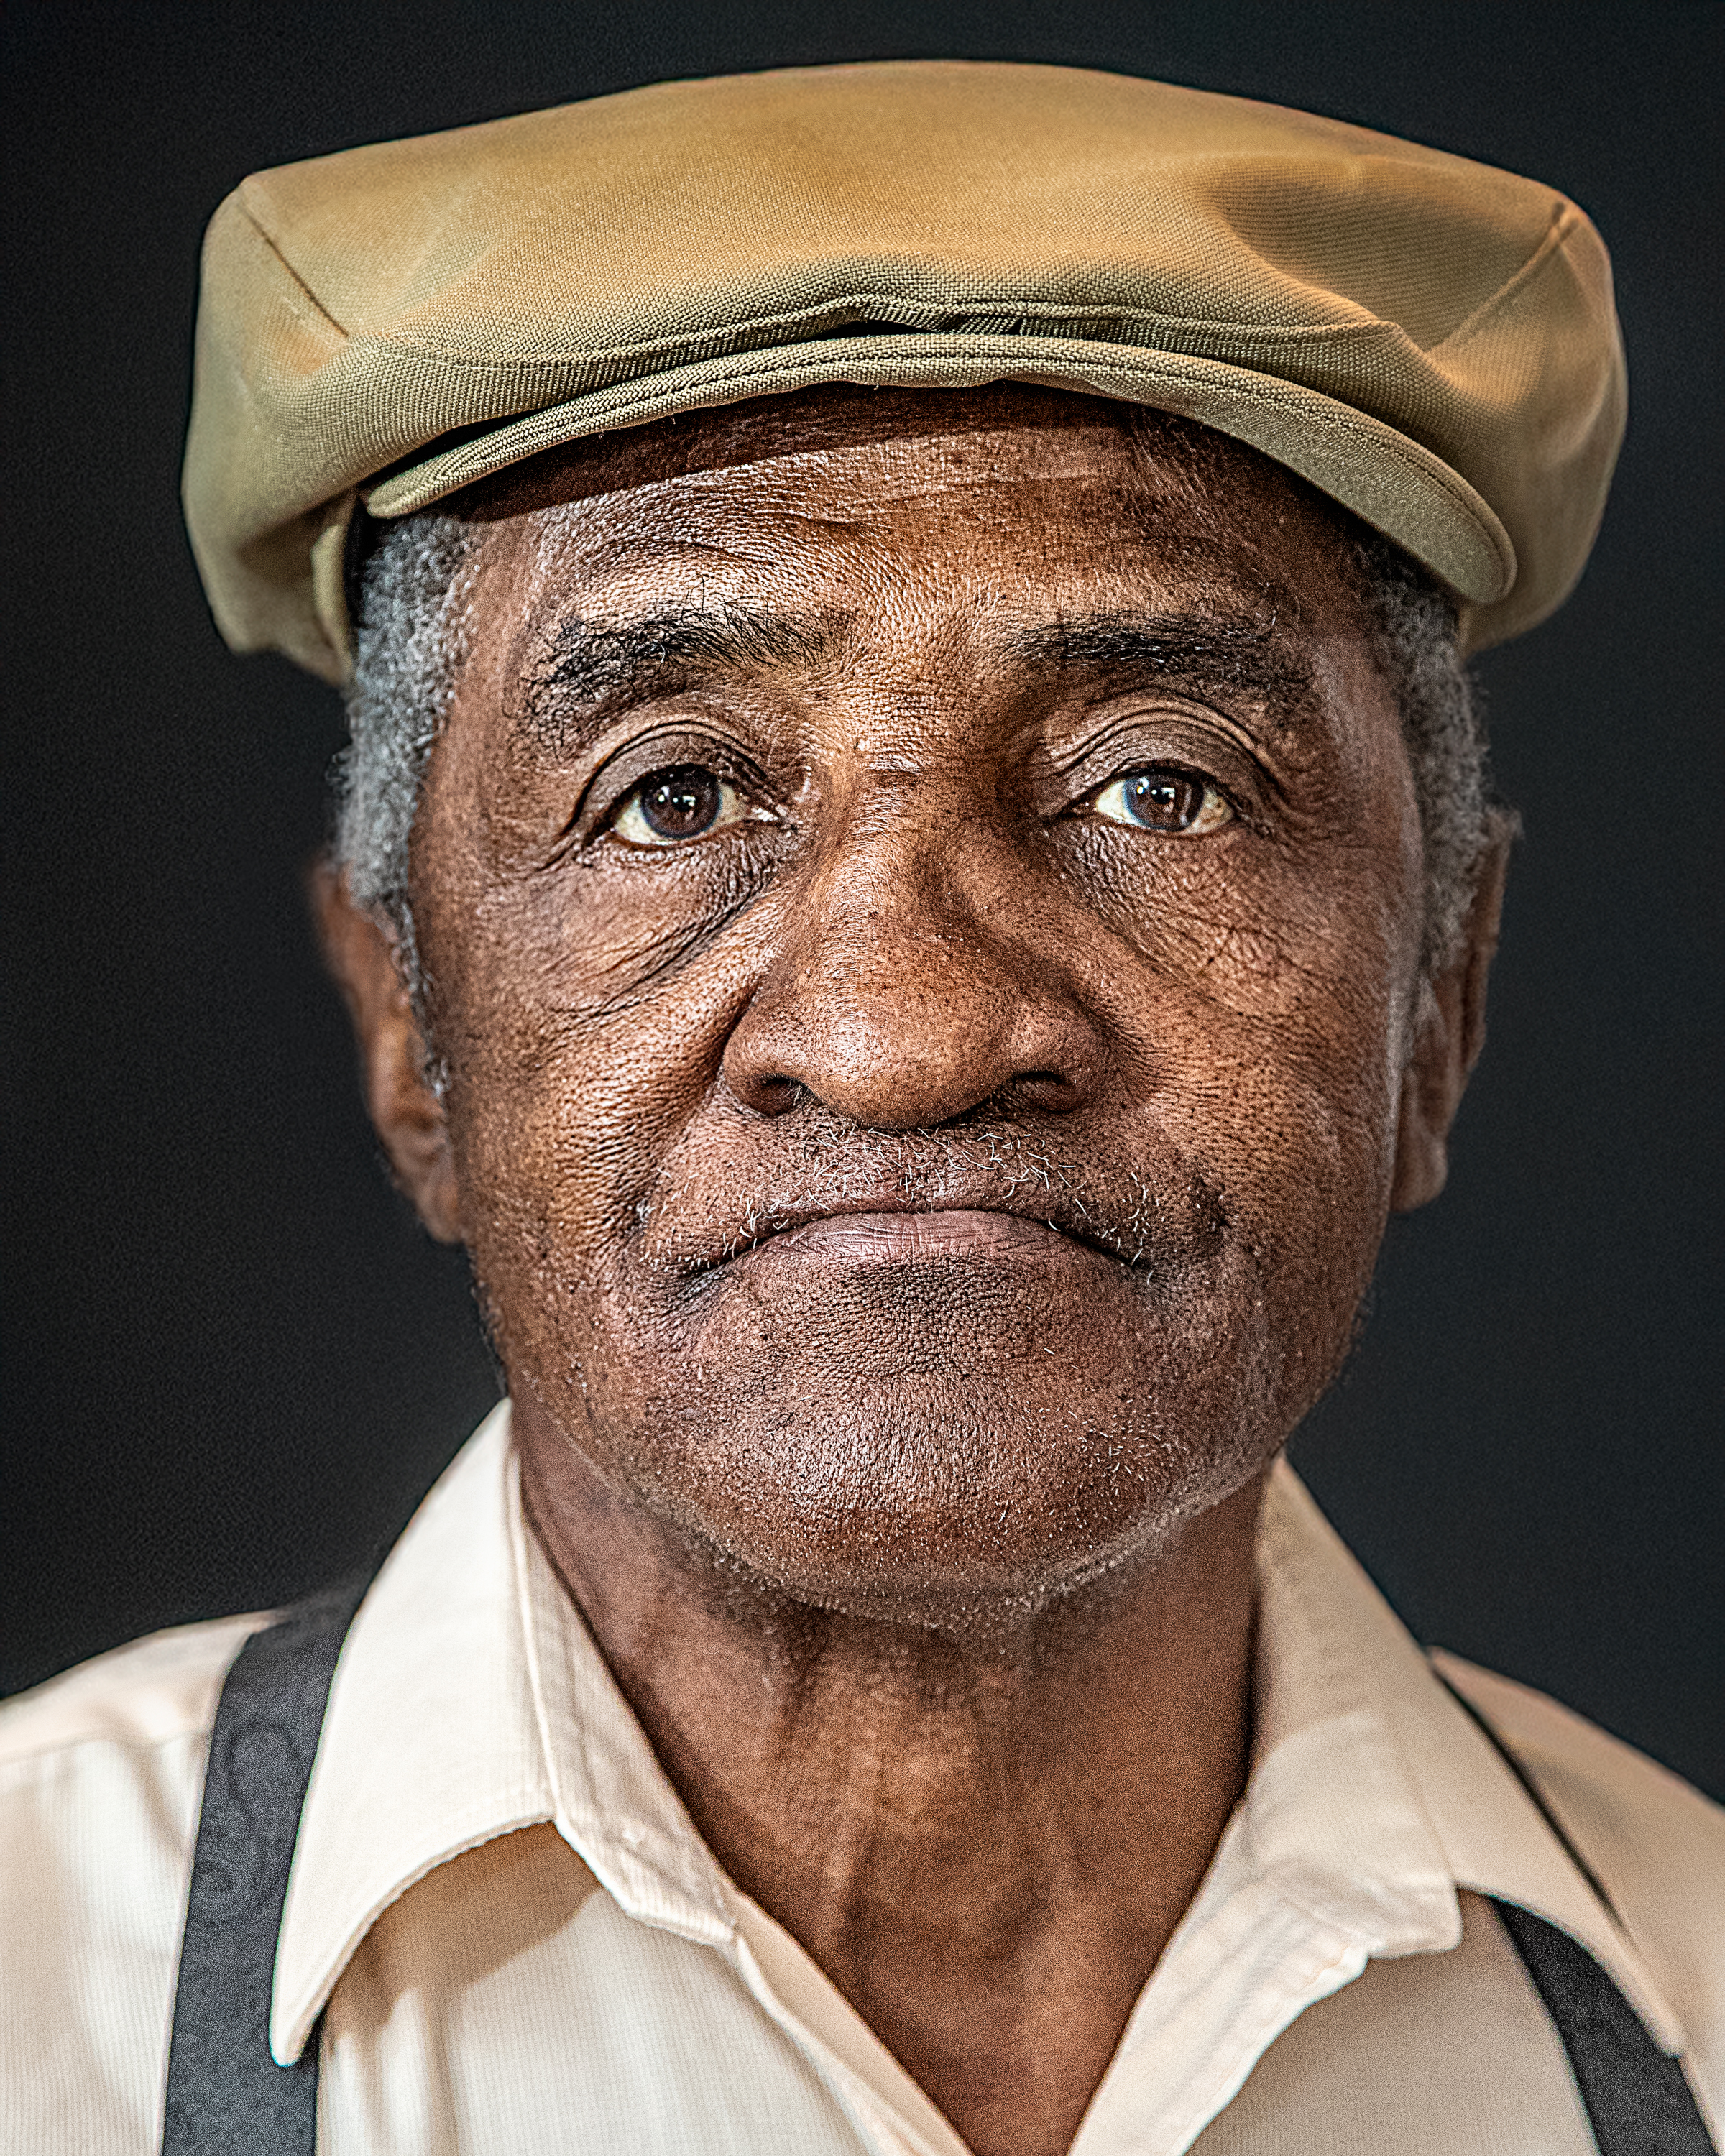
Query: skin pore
x=920, y=896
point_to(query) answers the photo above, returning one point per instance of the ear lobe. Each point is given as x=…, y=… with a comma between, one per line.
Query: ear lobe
x=409, y=1117
x=1451, y=1033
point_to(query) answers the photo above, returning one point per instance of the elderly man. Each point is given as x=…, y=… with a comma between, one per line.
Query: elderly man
x=915, y=879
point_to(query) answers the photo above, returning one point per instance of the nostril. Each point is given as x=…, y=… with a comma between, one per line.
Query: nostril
x=885, y=1047
x=1048, y=1089
x=775, y=1093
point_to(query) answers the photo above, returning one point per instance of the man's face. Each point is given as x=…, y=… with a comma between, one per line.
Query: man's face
x=923, y=897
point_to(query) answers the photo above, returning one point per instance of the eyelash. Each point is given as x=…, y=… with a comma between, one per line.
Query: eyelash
x=711, y=802
x=685, y=788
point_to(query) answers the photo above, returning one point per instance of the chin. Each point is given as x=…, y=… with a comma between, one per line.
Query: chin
x=924, y=1501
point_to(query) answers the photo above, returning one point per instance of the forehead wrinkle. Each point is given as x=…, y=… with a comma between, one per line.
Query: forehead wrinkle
x=649, y=519
x=1221, y=622
x=615, y=553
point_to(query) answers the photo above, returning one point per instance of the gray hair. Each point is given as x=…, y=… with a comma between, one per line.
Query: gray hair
x=409, y=646
x=1416, y=635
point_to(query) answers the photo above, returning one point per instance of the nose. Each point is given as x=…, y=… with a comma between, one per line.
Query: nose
x=916, y=980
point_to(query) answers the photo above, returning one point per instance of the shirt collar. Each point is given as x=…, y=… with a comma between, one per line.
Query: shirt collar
x=1335, y=1653
x=470, y=1700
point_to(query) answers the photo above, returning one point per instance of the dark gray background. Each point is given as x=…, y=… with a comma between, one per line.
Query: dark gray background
x=233, y=1363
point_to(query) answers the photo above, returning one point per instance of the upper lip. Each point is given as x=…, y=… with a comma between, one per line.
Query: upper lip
x=1049, y=1203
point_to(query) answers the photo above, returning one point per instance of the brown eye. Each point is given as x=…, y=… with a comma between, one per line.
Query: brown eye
x=686, y=801
x=681, y=804
x=1180, y=803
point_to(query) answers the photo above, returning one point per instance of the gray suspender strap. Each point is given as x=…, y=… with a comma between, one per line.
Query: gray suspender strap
x=226, y=2097
x=1635, y=2096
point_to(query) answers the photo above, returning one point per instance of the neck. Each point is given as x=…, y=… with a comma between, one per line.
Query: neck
x=984, y=1840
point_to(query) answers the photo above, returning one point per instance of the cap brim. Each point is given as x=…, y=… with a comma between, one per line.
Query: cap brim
x=1395, y=485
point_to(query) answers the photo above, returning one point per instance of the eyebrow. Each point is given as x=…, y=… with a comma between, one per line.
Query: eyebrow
x=587, y=669
x=1249, y=657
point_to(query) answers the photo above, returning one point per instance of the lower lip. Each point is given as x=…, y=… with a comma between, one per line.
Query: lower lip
x=854, y=1239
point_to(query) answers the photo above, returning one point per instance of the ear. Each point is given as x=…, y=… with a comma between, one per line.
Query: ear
x=406, y=1114
x=1451, y=1031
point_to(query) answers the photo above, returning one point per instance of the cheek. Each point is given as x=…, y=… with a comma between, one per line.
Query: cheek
x=1263, y=986
x=572, y=1082
x=557, y=1129
x=1254, y=1043
x=1264, y=1009
x=563, y=1008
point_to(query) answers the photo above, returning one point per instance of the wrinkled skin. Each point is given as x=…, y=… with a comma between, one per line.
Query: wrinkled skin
x=915, y=1195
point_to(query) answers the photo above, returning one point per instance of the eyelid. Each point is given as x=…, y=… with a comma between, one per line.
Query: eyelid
x=1104, y=722
x=666, y=747
x=1181, y=734
x=1130, y=734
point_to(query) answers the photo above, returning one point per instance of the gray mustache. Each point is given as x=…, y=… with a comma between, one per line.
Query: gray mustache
x=828, y=1166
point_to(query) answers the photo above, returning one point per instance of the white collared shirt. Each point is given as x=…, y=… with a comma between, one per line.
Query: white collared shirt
x=520, y=1944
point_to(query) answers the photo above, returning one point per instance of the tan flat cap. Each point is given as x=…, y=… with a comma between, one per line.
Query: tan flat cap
x=1429, y=341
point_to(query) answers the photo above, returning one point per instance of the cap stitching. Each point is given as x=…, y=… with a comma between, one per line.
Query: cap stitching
x=837, y=312
x=1567, y=221
x=244, y=209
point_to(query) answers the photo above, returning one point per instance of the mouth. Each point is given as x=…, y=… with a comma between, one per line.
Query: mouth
x=902, y=1238
x=876, y=1232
